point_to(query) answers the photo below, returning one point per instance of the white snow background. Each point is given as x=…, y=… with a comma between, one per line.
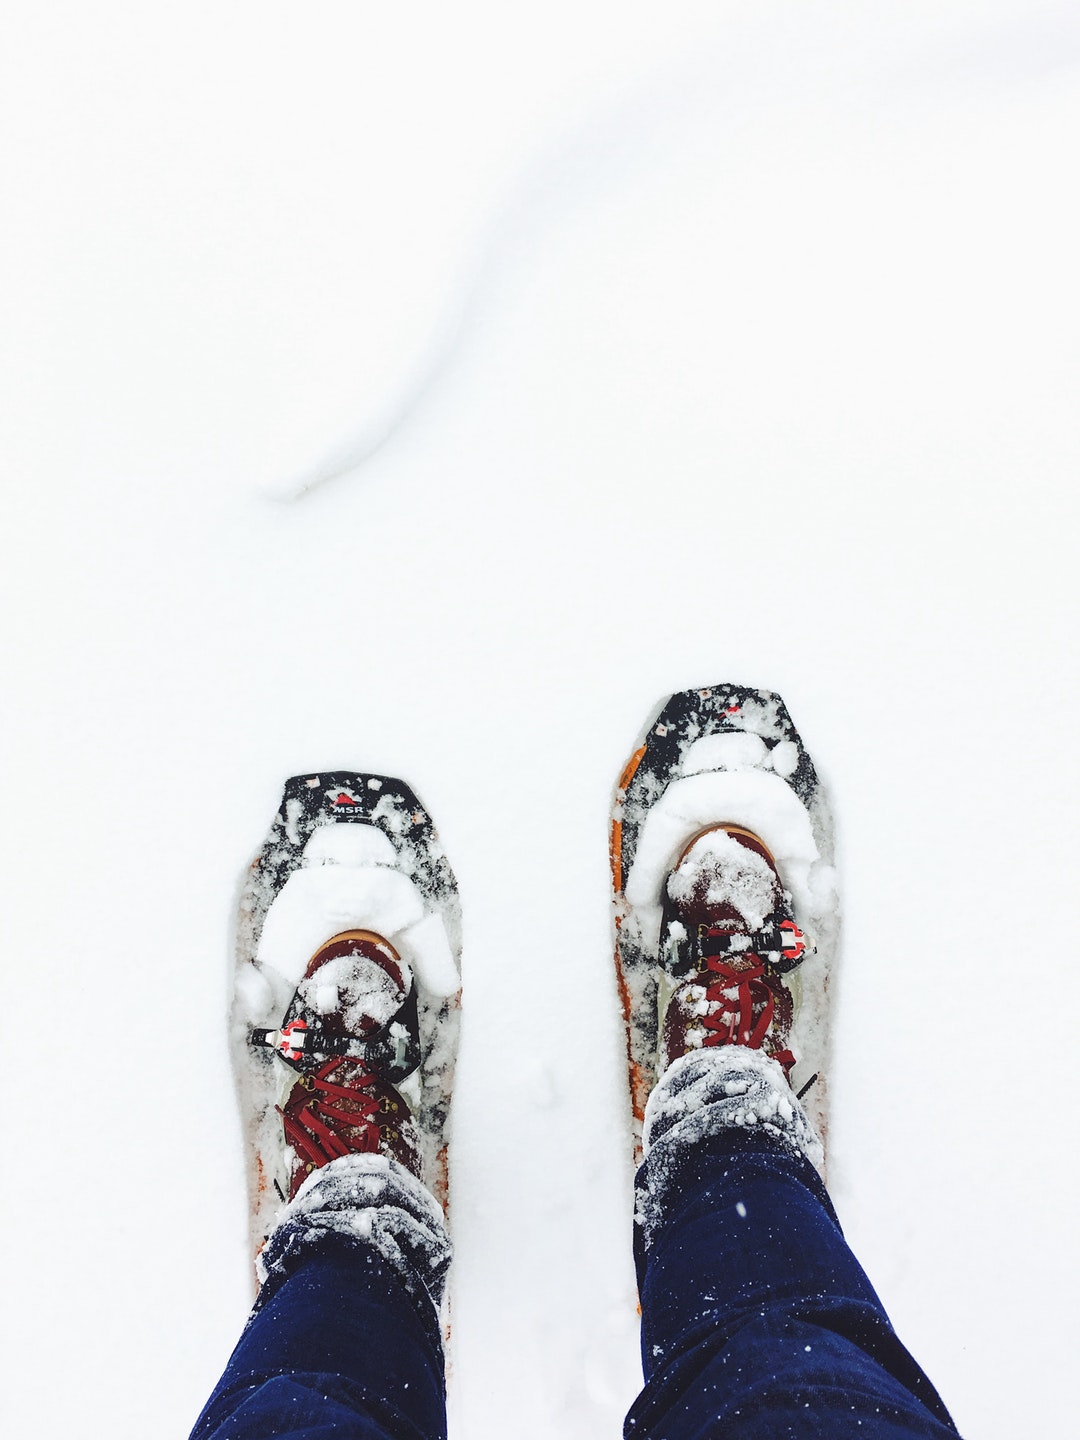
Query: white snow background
x=726, y=342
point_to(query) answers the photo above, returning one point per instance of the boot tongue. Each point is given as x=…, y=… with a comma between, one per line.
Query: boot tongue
x=723, y=881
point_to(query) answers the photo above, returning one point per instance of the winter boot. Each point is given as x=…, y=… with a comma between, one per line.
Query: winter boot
x=728, y=930
x=349, y=1032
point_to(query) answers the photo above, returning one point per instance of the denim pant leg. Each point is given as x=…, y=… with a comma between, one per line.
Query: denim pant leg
x=757, y=1320
x=345, y=1338
x=338, y=1348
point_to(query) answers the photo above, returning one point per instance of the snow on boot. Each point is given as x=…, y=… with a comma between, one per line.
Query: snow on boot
x=706, y=1091
x=726, y=914
x=346, y=1006
x=371, y=1201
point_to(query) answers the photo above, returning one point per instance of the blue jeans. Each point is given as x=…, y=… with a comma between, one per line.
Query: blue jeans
x=757, y=1323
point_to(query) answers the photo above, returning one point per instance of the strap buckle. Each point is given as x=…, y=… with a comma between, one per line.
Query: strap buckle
x=780, y=943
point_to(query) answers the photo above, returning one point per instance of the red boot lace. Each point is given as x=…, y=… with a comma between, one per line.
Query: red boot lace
x=731, y=1018
x=310, y=1128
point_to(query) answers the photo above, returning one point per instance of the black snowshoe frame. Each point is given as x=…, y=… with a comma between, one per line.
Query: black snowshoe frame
x=309, y=801
x=680, y=721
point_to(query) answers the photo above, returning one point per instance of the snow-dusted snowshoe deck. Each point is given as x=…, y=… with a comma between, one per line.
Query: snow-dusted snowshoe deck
x=722, y=755
x=345, y=851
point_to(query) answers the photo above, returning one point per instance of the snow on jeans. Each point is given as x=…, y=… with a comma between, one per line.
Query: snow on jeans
x=344, y=1339
x=757, y=1321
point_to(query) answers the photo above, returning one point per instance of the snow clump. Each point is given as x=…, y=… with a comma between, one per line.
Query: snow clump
x=719, y=870
x=366, y=1201
x=357, y=987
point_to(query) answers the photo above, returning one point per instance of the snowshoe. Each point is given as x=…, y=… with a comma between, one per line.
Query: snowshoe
x=726, y=912
x=346, y=1001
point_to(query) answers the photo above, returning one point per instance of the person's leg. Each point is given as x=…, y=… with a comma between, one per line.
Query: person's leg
x=757, y=1320
x=345, y=1338
x=344, y=1027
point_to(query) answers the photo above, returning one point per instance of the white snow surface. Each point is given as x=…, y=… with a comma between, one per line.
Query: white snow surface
x=728, y=343
x=744, y=751
x=349, y=844
x=761, y=802
x=320, y=901
x=316, y=904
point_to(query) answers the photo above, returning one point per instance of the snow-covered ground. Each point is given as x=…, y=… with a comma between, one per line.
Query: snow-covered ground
x=707, y=342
